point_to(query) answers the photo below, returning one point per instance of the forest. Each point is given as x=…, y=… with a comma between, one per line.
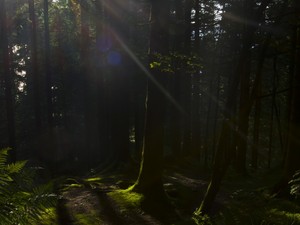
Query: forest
x=183, y=112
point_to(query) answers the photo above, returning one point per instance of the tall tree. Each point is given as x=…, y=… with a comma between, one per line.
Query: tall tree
x=48, y=65
x=245, y=70
x=293, y=153
x=34, y=66
x=4, y=49
x=225, y=152
x=88, y=80
x=119, y=64
x=176, y=81
x=149, y=181
x=186, y=80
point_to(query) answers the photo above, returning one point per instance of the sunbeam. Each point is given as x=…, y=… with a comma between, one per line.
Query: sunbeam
x=148, y=73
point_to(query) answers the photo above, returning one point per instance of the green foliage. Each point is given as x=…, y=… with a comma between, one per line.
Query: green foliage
x=175, y=62
x=295, y=184
x=21, y=201
x=251, y=207
x=200, y=219
x=88, y=219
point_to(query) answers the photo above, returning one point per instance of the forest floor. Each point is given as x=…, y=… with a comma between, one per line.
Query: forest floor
x=103, y=199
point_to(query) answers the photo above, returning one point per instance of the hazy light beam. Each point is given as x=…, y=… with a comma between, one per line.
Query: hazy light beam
x=149, y=75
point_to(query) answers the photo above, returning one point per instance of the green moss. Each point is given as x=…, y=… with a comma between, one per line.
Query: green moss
x=87, y=219
x=93, y=179
x=127, y=199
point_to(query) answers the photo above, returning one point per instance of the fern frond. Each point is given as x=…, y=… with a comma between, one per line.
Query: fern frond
x=3, y=157
x=295, y=184
x=22, y=202
x=15, y=167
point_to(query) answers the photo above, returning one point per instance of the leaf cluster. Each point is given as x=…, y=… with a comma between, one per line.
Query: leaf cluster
x=174, y=62
x=22, y=201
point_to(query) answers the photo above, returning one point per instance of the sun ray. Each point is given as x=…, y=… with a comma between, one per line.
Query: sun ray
x=148, y=74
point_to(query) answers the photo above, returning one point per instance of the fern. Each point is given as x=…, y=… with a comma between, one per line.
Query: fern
x=21, y=201
x=295, y=184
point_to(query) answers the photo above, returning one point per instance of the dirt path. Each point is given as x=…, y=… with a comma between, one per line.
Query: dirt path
x=86, y=206
x=83, y=204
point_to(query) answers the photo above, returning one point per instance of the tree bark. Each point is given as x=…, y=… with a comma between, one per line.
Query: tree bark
x=186, y=82
x=48, y=66
x=34, y=66
x=10, y=114
x=149, y=181
x=244, y=111
x=225, y=151
x=293, y=153
x=88, y=84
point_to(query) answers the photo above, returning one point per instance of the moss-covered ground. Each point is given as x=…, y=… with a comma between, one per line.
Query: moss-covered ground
x=108, y=199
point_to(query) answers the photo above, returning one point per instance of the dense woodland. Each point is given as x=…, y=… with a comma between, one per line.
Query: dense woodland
x=154, y=112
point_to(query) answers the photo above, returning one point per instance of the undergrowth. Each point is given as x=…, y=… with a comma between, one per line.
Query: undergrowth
x=22, y=202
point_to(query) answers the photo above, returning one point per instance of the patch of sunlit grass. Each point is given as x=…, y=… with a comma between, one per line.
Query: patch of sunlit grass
x=126, y=199
x=87, y=219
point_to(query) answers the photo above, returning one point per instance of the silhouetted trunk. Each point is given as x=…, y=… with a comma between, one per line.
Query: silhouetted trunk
x=208, y=130
x=246, y=100
x=196, y=116
x=273, y=99
x=48, y=66
x=293, y=153
x=256, y=93
x=88, y=82
x=120, y=66
x=10, y=114
x=34, y=66
x=197, y=26
x=186, y=82
x=119, y=113
x=176, y=115
x=244, y=110
x=224, y=151
x=149, y=180
x=60, y=112
x=256, y=131
x=176, y=83
x=100, y=67
x=216, y=113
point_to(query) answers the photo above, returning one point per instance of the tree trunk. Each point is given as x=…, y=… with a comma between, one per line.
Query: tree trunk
x=224, y=151
x=176, y=87
x=10, y=116
x=256, y=92
x=34, y=66
x=244, y=110
x=196, y=117
x=273, y=99
x=48, y=66
x=88, y=84
x=186, y=82
x=149, y=181
x=293, y=153
x=100, y=67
